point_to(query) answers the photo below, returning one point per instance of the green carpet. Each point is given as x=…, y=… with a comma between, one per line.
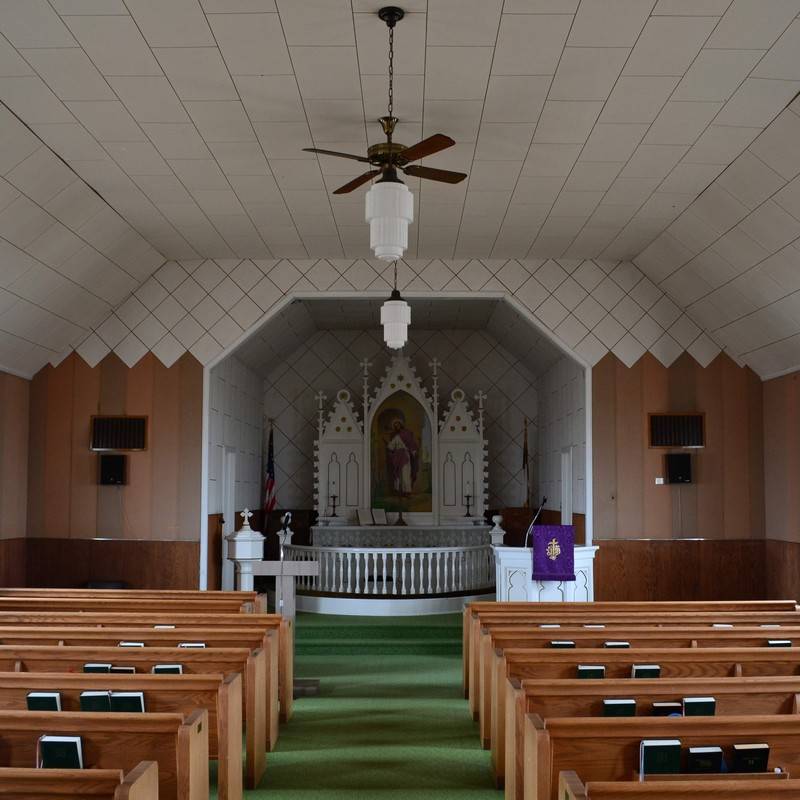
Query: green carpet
x=390, y=720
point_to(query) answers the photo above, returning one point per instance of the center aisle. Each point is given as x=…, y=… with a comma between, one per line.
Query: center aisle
x=390, y=720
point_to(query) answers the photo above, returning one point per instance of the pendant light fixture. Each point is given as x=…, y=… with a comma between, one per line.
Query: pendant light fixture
x=395, y=318
x=390, y=203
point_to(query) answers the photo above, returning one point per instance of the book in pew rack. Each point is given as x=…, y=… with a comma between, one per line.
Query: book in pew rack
x=131, y=644
x=95, y=667
x=591, y=671
x=704, y=760
x=622, y=707
x=645, y=671
x=44, y=701
x=750, y=757
x=128, y=702
x=123, y=670
x=659, y=757
x=779, y=642
x=667, y=708
x=617, y=645
x=99, y=700
x=59, y=752
x=192, y=645
x=699, y=706
x=167, y=669
x=562, y=644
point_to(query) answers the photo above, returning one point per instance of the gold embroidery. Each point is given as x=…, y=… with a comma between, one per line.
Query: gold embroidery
x=553, y=549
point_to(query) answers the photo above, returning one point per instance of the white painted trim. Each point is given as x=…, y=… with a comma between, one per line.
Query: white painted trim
x=588, y=473
x=375, y=607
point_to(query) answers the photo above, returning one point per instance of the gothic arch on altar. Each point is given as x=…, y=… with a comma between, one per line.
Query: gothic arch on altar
x=401, y=452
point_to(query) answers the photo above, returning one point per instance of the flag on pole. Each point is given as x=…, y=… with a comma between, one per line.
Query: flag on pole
x=525, y=467
x=270, y=495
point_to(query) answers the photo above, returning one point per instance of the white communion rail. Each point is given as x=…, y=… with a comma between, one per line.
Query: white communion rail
x=384, y=571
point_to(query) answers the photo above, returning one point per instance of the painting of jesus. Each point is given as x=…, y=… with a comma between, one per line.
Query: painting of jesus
x=400, y=450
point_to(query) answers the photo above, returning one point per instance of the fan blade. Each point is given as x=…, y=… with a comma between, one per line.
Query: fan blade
x=359, y=181
x=335, y=153
x=427, y=147
x=442, y=175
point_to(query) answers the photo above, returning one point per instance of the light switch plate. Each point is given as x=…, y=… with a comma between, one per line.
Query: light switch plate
x=659, y=481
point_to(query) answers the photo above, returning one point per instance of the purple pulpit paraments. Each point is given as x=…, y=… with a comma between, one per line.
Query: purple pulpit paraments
x=553, y=553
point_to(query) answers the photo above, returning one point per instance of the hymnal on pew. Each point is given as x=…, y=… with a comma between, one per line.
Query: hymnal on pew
x=617, y=645
x=124, y=670
x=163, y=627
x=94, y=667
x=623, y=707
x=549, y=625
x=667, y=708
x=44, y=701
x=699, y=706
x=591, y=671
x=645, y=671
x=131, y=644
x=750, y=757
x=779, y=642
x=563, y=644
x=168, y=669
x=60, y=752
x=721, y=625
x=192, y=644
x=594, y=627
x=702, y=760
x=130, y=702
x=96, y=701
x=659, y=756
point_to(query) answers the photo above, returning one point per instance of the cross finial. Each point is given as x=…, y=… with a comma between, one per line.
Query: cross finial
x=435, y=364
x=321, y=397
x=480, y=397
x=365, y=364
x=245, y=515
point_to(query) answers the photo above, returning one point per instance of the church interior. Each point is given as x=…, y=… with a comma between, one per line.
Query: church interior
x=399, y=402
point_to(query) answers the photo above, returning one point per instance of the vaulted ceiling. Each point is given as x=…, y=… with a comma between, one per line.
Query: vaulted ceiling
x=133, y=132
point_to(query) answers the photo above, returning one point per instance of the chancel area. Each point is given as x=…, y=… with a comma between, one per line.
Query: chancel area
x=399, y=400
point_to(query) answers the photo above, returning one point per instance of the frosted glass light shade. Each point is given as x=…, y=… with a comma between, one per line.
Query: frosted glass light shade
x=395, y=318
x=389, y=210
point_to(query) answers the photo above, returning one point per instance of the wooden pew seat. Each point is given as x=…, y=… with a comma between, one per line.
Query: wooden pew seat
x=219, y=695
x=141, y=783
x=119, y=741
x=708, y=787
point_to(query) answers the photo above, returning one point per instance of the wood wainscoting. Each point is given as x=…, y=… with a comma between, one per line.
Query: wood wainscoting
x=782, y=567
x=141, y=564
x=685, y=569
x=13, y=556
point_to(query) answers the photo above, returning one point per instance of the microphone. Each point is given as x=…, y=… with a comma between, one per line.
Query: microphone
x=533, y=521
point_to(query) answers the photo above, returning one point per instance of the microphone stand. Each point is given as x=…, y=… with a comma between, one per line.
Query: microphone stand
x=533, y=521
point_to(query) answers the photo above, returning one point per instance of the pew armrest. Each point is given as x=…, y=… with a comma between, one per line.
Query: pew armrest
x=141, y=783
x=570, y=786
x=193, y=756
x=229, y=738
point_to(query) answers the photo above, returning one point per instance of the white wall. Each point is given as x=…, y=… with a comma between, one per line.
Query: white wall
x=562, y=423
x=471, y=360
x=235, y=420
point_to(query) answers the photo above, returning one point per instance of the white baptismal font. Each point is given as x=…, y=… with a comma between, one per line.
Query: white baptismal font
x=400, y=488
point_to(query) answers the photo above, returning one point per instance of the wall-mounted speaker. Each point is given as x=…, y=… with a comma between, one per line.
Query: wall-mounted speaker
x=679, y=467
x=113, y=470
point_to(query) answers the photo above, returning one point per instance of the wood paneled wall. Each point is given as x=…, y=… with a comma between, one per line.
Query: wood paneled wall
x=14, y=410
x=162, y=498
x=726, y=499
x=13, y=556
x=782, y=457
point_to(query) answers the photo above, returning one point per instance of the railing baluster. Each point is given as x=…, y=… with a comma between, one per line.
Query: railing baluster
x=383, y=562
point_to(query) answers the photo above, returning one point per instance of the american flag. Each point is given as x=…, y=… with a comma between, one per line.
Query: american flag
x=270, y=496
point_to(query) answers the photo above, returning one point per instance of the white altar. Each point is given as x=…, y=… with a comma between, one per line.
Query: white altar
x=513, y=581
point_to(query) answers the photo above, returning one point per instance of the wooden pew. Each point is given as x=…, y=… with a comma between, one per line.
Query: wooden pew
x=473, y=611
x=141, y=783
x=254, y=638
x=496, y=640
x=253, y=600
x=119, y=741
x=695, y=663
x=586, y=615
x=584, y=698
x=147, y=605
x=250, y=664
x=703, y=787
x=180, y=620
x=608, y=750
x=219, y=695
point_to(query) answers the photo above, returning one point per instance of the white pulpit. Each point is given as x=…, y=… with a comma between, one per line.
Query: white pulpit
x=514, y=566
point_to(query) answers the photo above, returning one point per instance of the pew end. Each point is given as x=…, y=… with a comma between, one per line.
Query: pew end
x=570, y=786
x=141, y=783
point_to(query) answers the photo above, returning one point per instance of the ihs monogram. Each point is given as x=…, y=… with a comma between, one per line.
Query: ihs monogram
x=553, y=549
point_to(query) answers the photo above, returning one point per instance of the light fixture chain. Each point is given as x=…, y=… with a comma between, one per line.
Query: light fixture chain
x=391, y=71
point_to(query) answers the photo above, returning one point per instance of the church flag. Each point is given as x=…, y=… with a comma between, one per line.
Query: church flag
x=270, y=495
x=553, y=553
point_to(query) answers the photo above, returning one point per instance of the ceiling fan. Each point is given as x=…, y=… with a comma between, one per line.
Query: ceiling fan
x=386, y=158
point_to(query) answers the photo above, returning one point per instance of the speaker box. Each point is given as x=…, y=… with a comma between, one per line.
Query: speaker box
x=679, y=467
x=113, y=469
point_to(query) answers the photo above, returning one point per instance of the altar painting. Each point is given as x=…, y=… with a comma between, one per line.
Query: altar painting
x=400, y=455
